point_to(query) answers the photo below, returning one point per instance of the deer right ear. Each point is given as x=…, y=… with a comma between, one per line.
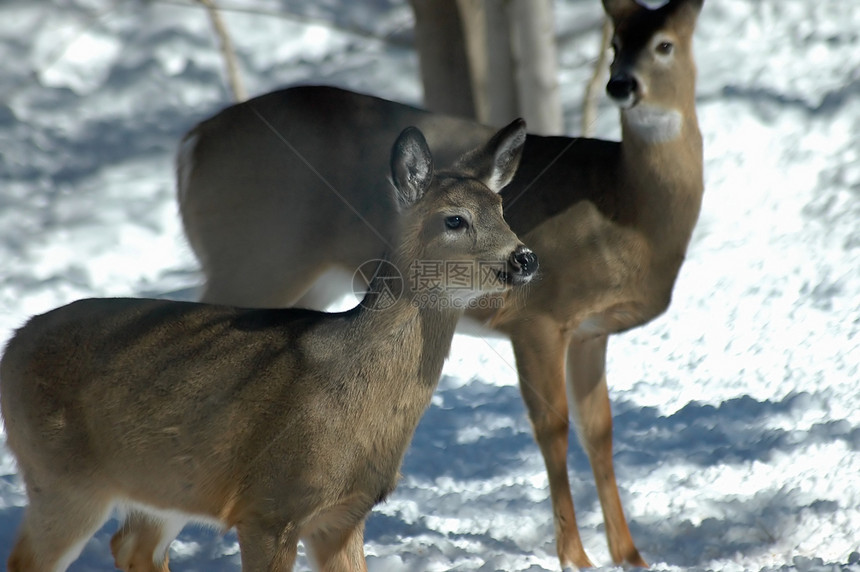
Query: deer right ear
x=619, y=9
x=507, y=146
x=411, y=166
x=495, y=163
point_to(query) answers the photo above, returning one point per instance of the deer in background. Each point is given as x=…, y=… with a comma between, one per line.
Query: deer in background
x=284, y=423
x=276, y=190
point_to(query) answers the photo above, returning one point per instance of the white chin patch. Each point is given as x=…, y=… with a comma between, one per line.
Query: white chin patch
x=654, y=124
x=625, y=103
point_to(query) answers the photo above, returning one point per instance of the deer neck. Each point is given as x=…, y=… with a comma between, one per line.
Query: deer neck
x=661, y=156
x=407, y=322
x=400, y=348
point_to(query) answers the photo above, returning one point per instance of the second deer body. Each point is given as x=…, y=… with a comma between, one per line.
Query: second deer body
x=611, y=222
x=287, y=424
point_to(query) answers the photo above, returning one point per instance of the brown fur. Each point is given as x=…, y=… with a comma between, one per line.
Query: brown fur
x=611, y=222
x=284, y=423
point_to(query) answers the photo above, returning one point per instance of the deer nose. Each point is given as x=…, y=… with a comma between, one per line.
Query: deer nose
x=621, y=86
x=524, y=261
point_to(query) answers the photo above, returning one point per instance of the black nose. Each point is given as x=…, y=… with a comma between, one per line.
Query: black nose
x=524, y=261
x=621, y=86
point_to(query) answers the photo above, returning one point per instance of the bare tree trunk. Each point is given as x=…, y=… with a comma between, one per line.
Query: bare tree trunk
x=536, y=65
x=227, y=51
x=595, y=84
x=485, y=25
x=507, y=50
x=442, y=56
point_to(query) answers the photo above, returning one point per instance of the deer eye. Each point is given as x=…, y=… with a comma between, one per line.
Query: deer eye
x=665, y=48
x=456, y=222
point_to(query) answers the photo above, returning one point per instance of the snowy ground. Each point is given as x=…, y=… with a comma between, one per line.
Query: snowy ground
x=737, y=437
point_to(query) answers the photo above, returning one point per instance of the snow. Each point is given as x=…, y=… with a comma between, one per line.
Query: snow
x=737, y=439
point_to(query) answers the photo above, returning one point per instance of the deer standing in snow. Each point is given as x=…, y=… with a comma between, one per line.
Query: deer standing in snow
x=610, y=220
x=287, y=424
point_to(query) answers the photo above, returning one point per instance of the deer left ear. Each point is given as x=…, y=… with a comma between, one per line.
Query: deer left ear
x=411, y=166
x=495, y=163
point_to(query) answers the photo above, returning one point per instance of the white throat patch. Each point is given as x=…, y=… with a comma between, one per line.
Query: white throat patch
x=654, y=124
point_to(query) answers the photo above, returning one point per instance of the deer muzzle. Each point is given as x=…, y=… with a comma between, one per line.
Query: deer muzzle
x=522, y=265
x=623, y=89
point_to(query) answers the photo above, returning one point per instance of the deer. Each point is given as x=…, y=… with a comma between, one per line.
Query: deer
x=611, y=220
x=286, y=424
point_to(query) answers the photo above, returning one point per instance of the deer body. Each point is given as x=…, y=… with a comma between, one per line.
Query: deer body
x=198, y=425
x=610, y=220
x=284, y=423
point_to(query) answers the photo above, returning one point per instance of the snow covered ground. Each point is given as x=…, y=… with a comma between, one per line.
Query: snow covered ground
x=737, y=434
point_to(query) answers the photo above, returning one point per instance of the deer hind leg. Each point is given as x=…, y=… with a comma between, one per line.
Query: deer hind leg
x=339, y=550
x=267, y=547
x=253, y=283
x=329, y=287
x=141, y=543
x=58, y=522
x=263, y=287
x=539, y=347
x=586, y=377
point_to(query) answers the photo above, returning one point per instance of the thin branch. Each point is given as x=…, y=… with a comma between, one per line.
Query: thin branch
x=390, y=38
x=227, y=51
x=595, y=84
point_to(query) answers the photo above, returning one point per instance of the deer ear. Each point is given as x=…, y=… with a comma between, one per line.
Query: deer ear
x=694, y=5
x=411, y=166
x=619, y=9
x=496, y=162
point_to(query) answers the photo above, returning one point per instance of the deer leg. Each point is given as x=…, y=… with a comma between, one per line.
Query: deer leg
x=539, y=346
x=586, y=378
x=247, y=287
x=140, y=545
x=339, y=550
x=58, y=521
x=266, y=547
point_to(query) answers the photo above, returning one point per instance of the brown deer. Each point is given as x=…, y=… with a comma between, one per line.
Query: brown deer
x=287, y=424
x=611, y=222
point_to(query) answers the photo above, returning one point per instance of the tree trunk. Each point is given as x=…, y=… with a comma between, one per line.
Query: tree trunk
x=442, y=57
x=536, y=65
x=485, y=24
x=507, y=51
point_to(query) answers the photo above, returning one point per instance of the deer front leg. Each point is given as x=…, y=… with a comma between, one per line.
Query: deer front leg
x=539, y=347
x=338, y=550
x=267, y=546
x=586, y=378
x=142, y=541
